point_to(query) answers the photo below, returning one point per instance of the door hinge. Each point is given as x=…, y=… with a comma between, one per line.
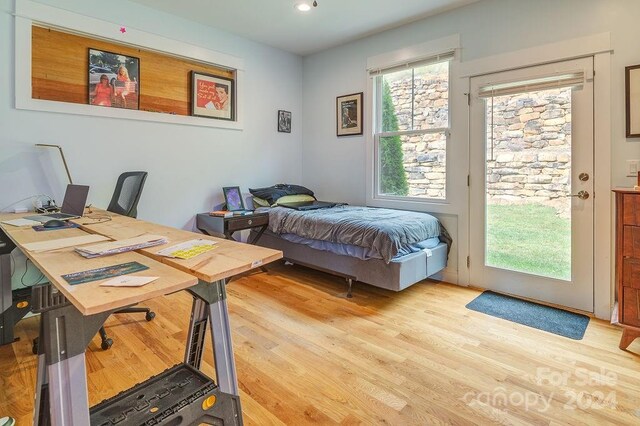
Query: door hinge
x=468, y=261
x=468, y=180
x=468, y=95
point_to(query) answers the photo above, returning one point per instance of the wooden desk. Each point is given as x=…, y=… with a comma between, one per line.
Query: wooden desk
x=227, y=259
x=66, y=328
x=90, y=298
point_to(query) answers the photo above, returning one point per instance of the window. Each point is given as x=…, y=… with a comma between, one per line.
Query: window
x=411, y=129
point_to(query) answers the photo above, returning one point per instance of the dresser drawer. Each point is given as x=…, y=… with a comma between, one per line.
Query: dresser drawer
x=631, y=241
x=631, y=306
x=631, y=209
x=631, y=273
x=247, y=222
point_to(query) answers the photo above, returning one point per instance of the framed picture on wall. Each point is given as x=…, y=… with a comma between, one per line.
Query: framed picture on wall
x=632, y=98
x=349, y=114
x=212, y=96
x=284, y=121
x=114, y=80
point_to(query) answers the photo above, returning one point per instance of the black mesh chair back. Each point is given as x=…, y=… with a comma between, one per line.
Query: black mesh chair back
x=127, y=194
x=125, y=202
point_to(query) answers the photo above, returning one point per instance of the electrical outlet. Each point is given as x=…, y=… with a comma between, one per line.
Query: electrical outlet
x=632, y=168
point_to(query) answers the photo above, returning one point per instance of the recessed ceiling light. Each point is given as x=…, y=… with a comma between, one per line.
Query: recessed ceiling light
x=305, y=5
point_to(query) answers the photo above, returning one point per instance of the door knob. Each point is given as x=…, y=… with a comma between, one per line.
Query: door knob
x=583, y=195
x=583, y=177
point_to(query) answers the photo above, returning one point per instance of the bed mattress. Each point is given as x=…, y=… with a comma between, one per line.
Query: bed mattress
x=385, y=232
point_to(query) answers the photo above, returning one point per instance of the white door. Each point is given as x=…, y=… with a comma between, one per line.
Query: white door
x=531, y=183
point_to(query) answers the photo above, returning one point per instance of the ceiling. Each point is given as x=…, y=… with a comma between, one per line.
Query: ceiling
x=278, y=24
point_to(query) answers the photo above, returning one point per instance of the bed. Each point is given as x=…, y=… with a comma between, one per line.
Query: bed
x=391, y=249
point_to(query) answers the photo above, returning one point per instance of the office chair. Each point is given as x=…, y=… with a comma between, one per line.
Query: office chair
x=125, y=202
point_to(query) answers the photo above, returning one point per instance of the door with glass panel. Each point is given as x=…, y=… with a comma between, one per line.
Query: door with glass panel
x=531, y=183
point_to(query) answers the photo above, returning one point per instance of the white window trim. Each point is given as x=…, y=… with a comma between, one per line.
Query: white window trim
x=392, y=59
x=29, y=13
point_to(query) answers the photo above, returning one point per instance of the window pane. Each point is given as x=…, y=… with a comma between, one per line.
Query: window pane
x=431, y=96
x=413, y=165
x=416, y=99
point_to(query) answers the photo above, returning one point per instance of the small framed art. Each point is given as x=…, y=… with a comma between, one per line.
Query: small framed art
x=632, y=101
x=349, y=114
x=284, y=121
x=114, y=80
x=212, y=96
x=233, y=198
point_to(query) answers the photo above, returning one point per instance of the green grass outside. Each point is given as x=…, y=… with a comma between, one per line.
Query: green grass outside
x=529, y=238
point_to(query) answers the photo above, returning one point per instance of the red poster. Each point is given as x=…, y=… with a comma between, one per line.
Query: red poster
x=206, y=96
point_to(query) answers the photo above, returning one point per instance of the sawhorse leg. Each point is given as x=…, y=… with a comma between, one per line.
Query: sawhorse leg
x=210, y=305
x=61, y=379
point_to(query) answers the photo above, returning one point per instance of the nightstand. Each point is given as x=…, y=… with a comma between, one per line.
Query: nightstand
x=217, y=226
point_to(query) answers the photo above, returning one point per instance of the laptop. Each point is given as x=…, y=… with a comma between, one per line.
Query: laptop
x=75, y=198
x=308, y=205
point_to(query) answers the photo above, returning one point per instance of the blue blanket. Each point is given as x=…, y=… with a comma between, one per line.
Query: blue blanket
x=384, y=230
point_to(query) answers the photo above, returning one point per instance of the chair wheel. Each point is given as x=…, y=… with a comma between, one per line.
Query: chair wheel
x=106, y=344
x=150, y=315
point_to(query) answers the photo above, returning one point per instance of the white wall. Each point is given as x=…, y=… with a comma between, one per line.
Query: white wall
x=336, y=167
x=187, y=165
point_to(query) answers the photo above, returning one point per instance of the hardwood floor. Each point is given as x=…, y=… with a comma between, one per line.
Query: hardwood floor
x=307, y=355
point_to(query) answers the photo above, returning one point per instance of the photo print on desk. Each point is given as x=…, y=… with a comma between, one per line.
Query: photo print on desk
x=114, y=80
x=212, y=96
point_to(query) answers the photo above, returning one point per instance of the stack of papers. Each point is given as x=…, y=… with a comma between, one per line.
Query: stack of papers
x=21, y=222
x=121, y=246
x=188, y=249
x=60, y=243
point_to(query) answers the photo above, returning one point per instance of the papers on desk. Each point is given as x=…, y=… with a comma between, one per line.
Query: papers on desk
x=128, y=281
x=188, y=249
x=103, y=273
x=121, y=246
x=21, y=222
x=41, y=246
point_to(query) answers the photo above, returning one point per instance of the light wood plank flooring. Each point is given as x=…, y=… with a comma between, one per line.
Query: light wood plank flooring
x=307, y=355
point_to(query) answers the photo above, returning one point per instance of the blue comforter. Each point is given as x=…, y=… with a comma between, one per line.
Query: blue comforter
x=384, y=230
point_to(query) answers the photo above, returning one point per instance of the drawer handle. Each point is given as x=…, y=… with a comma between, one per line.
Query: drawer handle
x=250, y=222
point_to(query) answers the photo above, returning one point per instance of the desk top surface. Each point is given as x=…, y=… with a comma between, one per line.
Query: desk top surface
x=227, y=259
x=89, y=298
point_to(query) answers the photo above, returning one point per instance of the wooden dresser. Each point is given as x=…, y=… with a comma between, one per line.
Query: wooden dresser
x=628, y=263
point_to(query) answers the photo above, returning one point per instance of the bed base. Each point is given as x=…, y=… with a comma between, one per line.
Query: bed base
x=396, y=275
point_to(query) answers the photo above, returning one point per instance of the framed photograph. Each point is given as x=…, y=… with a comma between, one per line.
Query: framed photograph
x=349, y=114
x=632, y=98
x=284, y=121
x=212, y=96
x=114, y=80
x=233, y=198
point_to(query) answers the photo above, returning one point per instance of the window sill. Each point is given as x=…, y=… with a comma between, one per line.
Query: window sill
x=414, y=204
x=91, y=110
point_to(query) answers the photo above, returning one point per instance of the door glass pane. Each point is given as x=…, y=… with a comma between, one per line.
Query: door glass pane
x=528, y=183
